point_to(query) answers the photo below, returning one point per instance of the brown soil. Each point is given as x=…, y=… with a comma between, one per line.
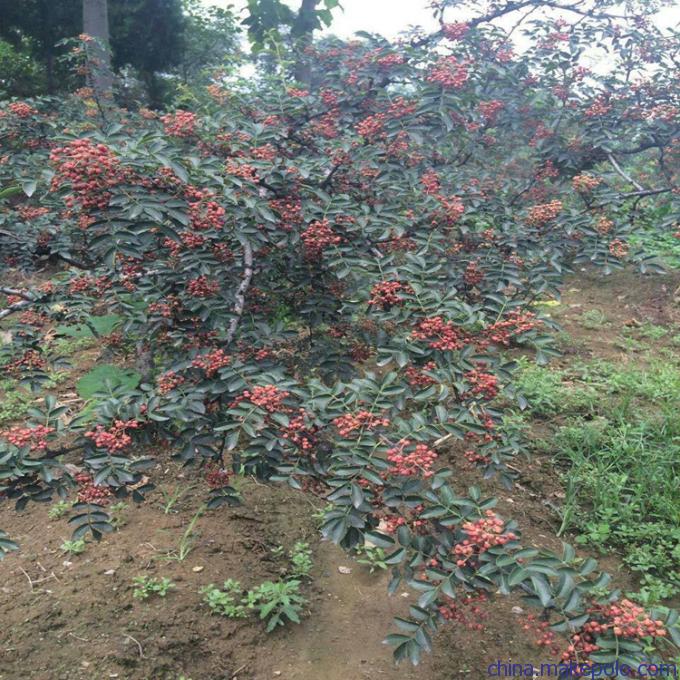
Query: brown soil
x=74, y=618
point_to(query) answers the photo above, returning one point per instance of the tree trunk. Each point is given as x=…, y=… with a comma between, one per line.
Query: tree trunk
x=302, y=32
x=96, y=25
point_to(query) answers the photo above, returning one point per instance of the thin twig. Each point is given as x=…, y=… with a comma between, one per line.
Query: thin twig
x=28, y=578
x=141, y=651
x=73, y=635
x=237, y=671
x=442, y=440
x=623, y=173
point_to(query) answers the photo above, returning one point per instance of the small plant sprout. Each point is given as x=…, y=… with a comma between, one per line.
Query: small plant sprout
x=277, y=603
x=226, y=601
x=59, y=509
x=372, y=557
x=278, y=552
x=300, y=560
x=146, y=586
x=74, y=547
x=186, y=542
x=116, y=513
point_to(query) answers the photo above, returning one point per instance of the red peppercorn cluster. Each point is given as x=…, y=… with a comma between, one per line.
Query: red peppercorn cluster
x=206, y=214
x=544, y=636
x=482, y=534
x=604, y=225
x=430, y=182
x=453, y=208
x=359, y=351
x=115, y=438
x=514, y=324
x=401, y=107
x=449, y=73
x=330, y=97
x=14, y=299
x=360, y=420
x=300, y=432
x=219, y=94
x=163, y=309
x=22, y=110
x=542, y=214
x=297, y=92
x=217, y=477
x=242, y=170
x=390, y=60
x=618, y=248
x=317, y=237
x=482, y=384
x=600, y=107
x=625, y=619
x=455, y=30
x=179, y=124
x=289, y=210
x=442, y=335
x=398, y=244
x=465, y=610
x=417, y=377
x=211, y=362
x=386, y=293
x=372, y=126
x=417, y=463
x=31, y=318
x=222, y=252
x=169, y=381
x=473, y=274
x=505, y=55
x=33, y=437
x=490, y=110
x=266, y=152
x=327, y=125
x=268, y=397
x=29, y=213
x=585, y=183
x=31, y=360
x=90, y=169
x=474, y=457
x=202, y=287
x=89, y=492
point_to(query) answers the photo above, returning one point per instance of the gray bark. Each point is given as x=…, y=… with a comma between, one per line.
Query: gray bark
x=96, y=24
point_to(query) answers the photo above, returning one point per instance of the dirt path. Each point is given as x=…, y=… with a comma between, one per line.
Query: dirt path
x=352, y=616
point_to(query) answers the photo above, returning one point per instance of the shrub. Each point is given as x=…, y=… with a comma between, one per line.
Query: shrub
x=320, y=287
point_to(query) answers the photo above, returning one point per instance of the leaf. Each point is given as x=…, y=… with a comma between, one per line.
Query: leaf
x=96, y=380
x=29, y=186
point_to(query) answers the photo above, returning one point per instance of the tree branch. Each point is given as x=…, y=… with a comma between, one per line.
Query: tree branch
x=16, y=293
x=623, y=173
x=241, y=291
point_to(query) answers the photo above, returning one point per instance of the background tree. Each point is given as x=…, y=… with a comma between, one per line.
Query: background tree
x=272, y=21
x=144, y=34
x=38, y=25
x=149, y=36
x=96, y=25
x=210, y=40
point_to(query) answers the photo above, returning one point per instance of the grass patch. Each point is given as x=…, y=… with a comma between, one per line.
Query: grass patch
x=14, y=401
x=619, y=448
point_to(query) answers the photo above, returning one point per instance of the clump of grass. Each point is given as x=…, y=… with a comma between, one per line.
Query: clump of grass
x=549, y=391
x=621, y=464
